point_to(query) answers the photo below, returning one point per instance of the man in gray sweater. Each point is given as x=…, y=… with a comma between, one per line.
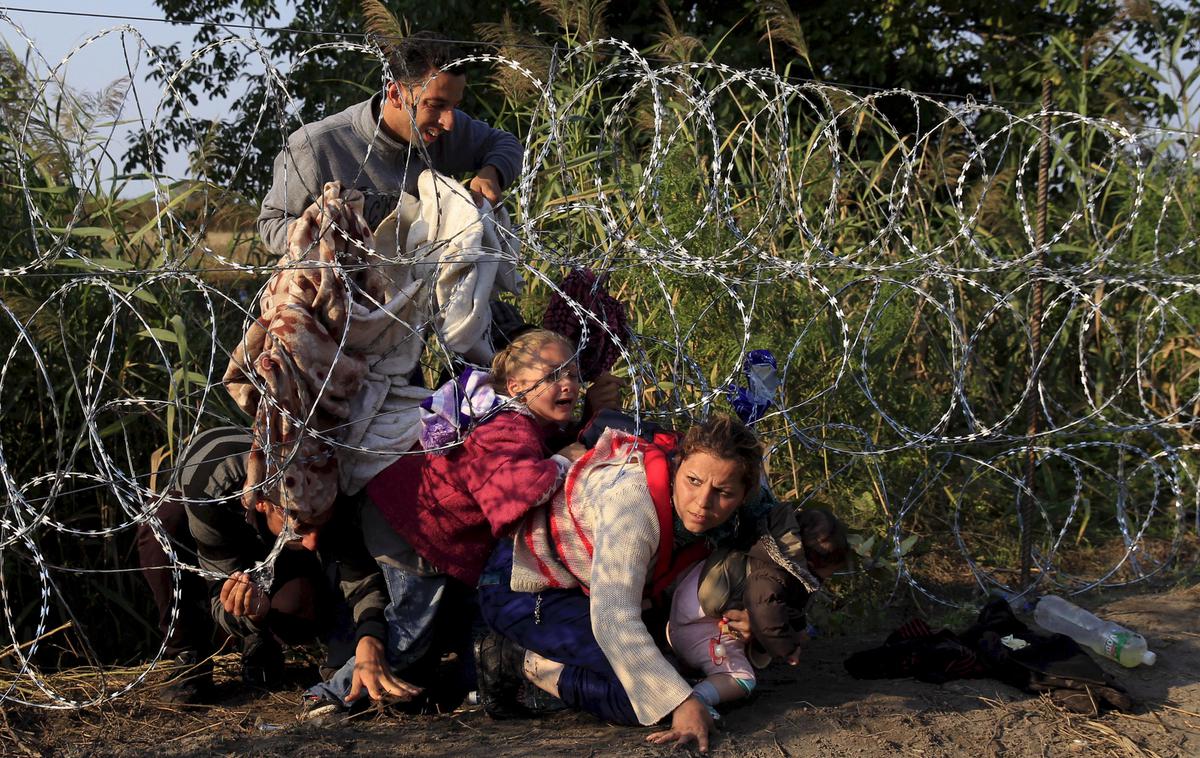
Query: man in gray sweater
x=381, y=146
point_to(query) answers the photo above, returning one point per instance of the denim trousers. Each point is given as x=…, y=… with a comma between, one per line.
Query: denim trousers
x=556, y=624
x=414, y=601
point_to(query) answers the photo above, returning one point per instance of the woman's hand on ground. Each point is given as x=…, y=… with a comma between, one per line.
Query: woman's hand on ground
x=739, y=624
x=240, y=597
x=689, y=722
x=372, y=673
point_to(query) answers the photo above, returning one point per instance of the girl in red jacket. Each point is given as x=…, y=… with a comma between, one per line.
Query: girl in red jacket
x=432, y=519
x=452, y=503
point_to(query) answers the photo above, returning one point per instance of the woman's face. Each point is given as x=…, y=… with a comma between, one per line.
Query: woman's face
x=707, y=491
x=550, y=384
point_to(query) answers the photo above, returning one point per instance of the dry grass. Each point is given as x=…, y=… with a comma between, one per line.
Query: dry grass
x=1109, y=735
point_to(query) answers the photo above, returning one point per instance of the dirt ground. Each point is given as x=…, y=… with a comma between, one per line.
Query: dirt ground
x=814, y=710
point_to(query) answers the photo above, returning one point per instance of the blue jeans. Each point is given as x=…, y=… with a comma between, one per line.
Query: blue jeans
x=413, y=603
x=556, y=624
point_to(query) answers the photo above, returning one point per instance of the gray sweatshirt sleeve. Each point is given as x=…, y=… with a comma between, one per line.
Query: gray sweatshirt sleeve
x=293, y=185
x=316, y=154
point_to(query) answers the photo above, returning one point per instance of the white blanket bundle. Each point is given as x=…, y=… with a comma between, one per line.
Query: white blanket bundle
x=444, y=260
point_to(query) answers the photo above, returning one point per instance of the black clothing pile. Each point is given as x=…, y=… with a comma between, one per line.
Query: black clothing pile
x=1053, y=664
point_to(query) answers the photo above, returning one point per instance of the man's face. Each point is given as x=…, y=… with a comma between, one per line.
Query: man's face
x=425, y=109
x=307, y=530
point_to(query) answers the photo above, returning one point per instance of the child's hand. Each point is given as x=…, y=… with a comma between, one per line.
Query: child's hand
x=793, y=657
x=739, y=624
x=573, y=452
x=605, y=392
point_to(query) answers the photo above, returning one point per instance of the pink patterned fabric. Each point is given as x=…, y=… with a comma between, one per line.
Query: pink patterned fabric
x=288, y=371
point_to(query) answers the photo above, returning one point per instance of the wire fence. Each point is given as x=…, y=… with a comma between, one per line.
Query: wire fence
x=881, y=244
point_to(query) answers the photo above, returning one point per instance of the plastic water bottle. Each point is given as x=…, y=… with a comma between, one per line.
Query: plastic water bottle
x=1110, y=640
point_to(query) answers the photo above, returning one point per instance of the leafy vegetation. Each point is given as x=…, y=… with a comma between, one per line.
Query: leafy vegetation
x=899, y=225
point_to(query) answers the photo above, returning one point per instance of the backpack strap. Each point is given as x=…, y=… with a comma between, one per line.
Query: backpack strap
x=658, y=480
x=573, y=544
x=680, y=562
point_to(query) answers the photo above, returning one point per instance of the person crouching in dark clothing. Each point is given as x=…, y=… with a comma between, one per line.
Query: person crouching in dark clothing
x=297, y=600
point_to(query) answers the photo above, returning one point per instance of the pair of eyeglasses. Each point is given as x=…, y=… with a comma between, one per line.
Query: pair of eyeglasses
x=570, y=372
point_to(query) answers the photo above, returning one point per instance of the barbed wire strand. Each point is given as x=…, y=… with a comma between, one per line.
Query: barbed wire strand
x=811, y=225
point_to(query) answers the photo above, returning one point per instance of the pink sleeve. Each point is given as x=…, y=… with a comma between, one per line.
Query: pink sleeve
x=506, y=471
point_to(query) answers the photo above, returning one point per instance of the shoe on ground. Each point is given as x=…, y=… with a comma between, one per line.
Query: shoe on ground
x=540, y=702
x=500, y=664
x=262, y=661
x=188, y=680
x=318, y=709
